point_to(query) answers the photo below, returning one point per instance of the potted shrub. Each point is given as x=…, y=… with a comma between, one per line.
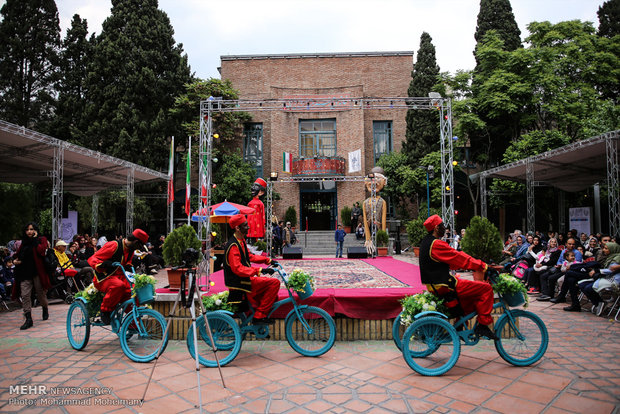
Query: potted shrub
x=291, y=215
x=416, y=232
x=301, y=282
x=261, y=245
x=345, y=218
x=179, y=240
x=482, y=241
x=421, y=302
x=144, y=288
x=513, y=292
x=382, y=242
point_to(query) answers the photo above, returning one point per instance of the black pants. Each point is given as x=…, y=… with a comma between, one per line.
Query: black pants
x=548, y=280
x=571, y=278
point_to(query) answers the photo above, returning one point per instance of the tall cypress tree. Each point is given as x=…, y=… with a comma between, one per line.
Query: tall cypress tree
x=497, y=15
x=609, y=18
x=30, y=33
x=133, y=78
x=422, y=133
x=75, y=54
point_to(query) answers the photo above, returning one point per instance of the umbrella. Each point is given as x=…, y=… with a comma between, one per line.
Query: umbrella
x=219, y=213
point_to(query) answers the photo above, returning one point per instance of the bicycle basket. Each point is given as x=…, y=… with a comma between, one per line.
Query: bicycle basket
x=146, y=294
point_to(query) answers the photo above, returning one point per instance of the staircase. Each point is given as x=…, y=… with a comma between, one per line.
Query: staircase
x=322, y=243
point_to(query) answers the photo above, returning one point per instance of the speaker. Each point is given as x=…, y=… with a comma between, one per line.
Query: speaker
x=357, y=252
x=291, y=253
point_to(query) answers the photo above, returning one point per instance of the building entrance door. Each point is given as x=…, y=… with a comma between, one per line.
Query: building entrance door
x=318, y=206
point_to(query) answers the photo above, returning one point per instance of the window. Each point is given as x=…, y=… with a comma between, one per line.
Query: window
x=253, y=146
x=317, y=137
x=382, y=136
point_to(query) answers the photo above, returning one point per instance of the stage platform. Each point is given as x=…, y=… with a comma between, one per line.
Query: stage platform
x=361, y=294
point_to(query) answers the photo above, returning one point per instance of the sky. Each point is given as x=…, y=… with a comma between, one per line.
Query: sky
x=209, y=29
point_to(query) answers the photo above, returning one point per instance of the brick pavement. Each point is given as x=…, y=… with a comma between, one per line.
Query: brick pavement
x=579, y=373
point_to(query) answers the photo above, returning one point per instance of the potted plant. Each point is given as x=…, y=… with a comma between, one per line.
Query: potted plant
x=345, y=218
x=144, y=288
x=416, y=232
x=301, y=282
x=260, y=245
x=218, y=301
x=511, y=289
x=179, y=240
x=382, y=242
x=291, y=216
x=482, y=241
x=421, y=302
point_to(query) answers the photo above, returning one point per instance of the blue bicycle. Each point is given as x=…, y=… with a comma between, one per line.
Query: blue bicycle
x=431, y=345
x=140, y=329
x=309, y=330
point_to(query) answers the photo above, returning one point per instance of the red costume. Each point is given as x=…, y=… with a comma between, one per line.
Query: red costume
x=256, y=221
x=114, y=284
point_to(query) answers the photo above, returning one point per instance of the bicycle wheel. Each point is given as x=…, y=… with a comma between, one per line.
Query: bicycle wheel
x=141, y=341
x=78, y=325
x=226, y=335
x=398, y=330
x=525, y=345
x=317, y=337
x=431, y=346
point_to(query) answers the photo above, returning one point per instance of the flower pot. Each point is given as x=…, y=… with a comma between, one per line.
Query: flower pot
x=382, y=251
x=416, y=251
x=514, y=299
x=347, y=229
x=307, y=291
x=174, y=278
x=145, y=294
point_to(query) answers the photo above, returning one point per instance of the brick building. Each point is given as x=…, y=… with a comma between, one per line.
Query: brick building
x=320, y=139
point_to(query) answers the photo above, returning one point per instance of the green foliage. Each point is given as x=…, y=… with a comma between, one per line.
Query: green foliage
x=401, y=186
x=382, y=238
x=609, y=18
x=142, y=280
x=234, y=178
x=482, y=240
x=177, y=242
x=422, y=133
x=421, y=302
x=507, y=284
x=45, y=221
x=497, y=15
x=260, y=245
x=30, y=33
x=93, y=299
x=218, y=301
x=298, y=279
x=17, y=206
x=291, y=215
x=416, y=231
x=345, y=216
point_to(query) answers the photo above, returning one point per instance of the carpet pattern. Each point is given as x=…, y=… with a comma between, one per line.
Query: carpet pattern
x=344, y=274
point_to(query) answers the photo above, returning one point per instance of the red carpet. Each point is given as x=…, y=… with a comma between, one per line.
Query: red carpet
x=357, y=288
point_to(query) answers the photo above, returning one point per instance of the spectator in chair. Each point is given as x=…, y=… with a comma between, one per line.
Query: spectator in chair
x=549, y=279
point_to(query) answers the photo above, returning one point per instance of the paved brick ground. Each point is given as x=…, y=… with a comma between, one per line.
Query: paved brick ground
x=580, y=373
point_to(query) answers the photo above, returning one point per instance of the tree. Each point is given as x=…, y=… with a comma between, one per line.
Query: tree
x=135, y=73
x=30, y=34
x=609, y=18
x=17, y=206
x=422, y=133
x=233, y=178
x=497, y=15
x=76, y=53
x=400, y=188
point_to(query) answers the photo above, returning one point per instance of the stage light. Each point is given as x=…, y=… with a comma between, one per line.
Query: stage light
x=455, y=163
x=212, y=283
x=456, y=212
x=447, y=188
x=215, y=160
x=446, y=116
x=213, y=234
x=216, y=136
x=273, y=176
x=214, y=186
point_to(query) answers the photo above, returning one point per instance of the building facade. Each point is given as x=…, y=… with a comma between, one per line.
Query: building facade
x=318, y=130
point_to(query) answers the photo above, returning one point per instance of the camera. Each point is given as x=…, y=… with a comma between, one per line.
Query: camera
x=190, y=257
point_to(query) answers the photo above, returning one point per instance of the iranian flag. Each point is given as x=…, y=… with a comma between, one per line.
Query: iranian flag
x=203, y=180
x=171, y=173
x=288, y=161
x=188, y=185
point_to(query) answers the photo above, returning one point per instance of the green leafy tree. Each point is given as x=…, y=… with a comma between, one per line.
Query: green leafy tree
x=482, y=240
x=30, y=34
x=609, y=18
x=17, y=206
x=233, y=178
x=497, y=15
x=75, y=54
x=422, y=133
x=401, y=180
x=136, y=71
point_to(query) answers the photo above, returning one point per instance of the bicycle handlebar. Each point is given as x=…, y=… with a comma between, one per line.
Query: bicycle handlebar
x=133, y=271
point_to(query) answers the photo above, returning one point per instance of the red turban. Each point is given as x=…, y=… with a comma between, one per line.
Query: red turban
x=261, y=182
x=141, y=235
x=432, y=221
x=236, y=220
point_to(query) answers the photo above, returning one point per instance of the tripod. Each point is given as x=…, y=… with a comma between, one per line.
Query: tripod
x=193, y=295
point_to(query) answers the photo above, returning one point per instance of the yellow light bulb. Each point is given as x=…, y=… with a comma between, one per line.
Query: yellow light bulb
x=212, y=283
x=447, y=188
x=216, y=136
x=455, y=163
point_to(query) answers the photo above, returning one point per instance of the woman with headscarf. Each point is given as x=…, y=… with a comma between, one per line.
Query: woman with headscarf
x=611, y=268
x=546, y=260
x=30, y=272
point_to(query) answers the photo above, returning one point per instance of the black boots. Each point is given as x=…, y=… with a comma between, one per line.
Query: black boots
x=28, y=322
x=46, y=314
x=106, y=317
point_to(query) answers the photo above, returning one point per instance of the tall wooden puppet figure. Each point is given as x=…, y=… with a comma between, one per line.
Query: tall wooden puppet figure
x=256, y=221
x=374, y=208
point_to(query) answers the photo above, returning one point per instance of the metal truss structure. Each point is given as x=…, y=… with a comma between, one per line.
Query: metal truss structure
x=218, y=105
x=559, y=167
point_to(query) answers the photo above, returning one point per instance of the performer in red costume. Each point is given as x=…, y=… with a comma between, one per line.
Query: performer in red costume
x=436, y=260
x=240, y=276
x=256, y=221
x=110, y=279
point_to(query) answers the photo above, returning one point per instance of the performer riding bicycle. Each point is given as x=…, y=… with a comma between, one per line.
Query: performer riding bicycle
x=436, y=260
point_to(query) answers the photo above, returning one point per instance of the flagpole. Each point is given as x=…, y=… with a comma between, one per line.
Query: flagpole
x=171, y=185
x=188, y=188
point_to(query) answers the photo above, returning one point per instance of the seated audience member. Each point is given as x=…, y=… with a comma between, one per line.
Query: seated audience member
x=84, y=274
x=521, y=252
x=592, y=246
x=546, y=259
x=510, y=251
x=561, y=240
x=7, y=278
x=549, y=278
x=569, y=260
x=610, y=267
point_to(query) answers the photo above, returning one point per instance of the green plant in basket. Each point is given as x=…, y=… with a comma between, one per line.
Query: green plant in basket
x=298, y=278
x=93, y=299
x=507, y=284
x=421, y=302
x=141, y=280
x=218, y=301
